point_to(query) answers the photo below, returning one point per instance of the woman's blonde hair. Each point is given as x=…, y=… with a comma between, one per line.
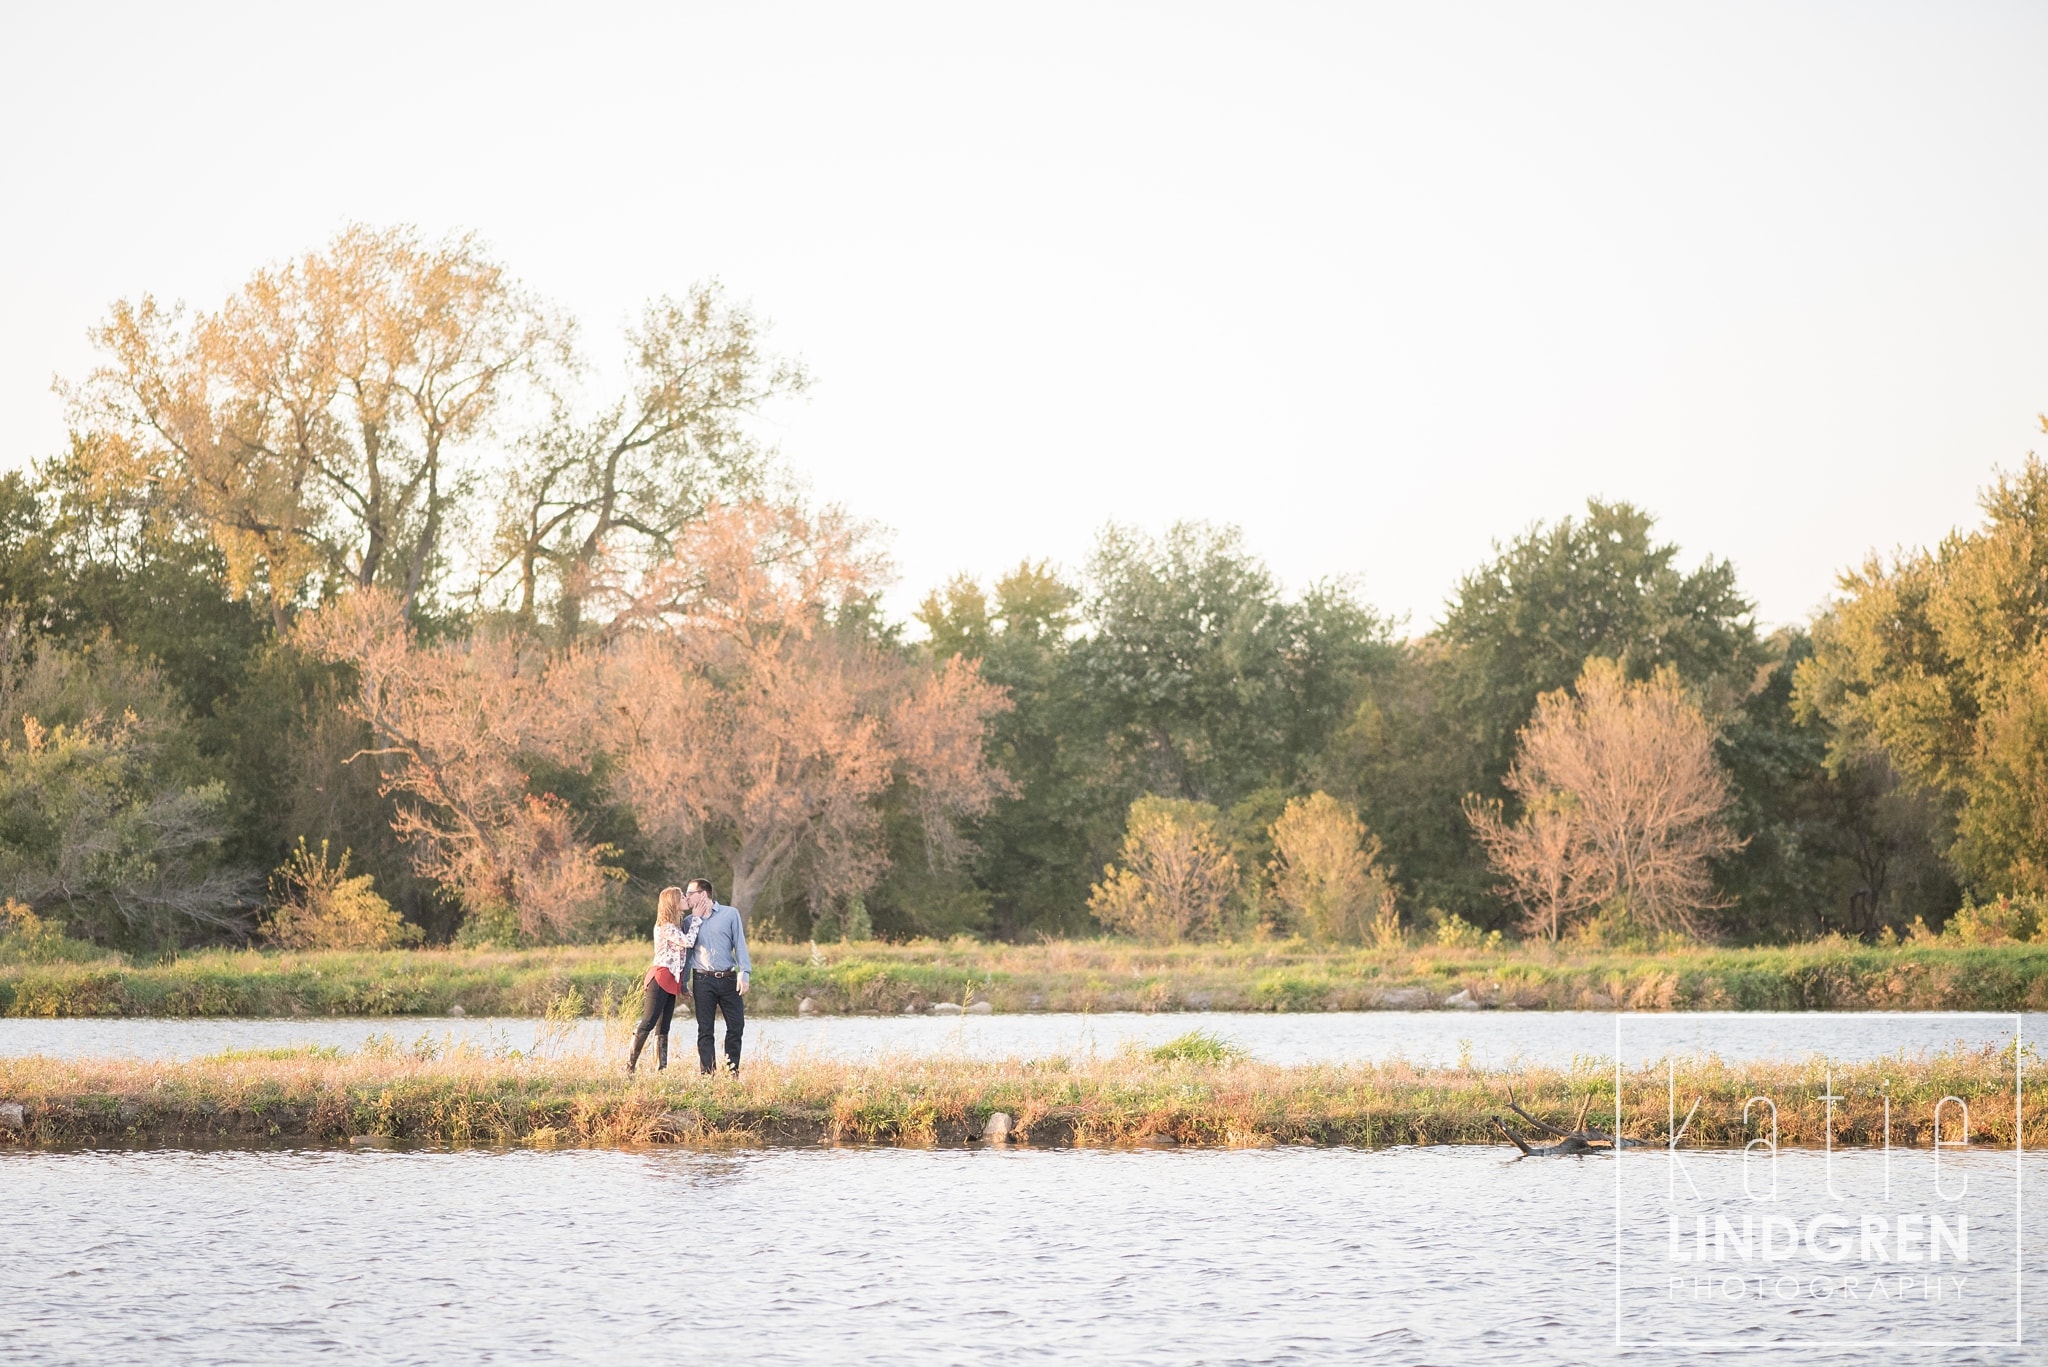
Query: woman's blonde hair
x=669, y=910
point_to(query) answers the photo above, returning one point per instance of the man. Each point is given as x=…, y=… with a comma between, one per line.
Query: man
x=720, y=969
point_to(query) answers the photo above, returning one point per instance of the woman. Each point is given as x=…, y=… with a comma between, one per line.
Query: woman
x=665, y=978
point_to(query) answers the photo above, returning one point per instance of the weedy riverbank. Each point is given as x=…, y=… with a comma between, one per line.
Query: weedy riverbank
x=1074, y=975
x=1195, y=1091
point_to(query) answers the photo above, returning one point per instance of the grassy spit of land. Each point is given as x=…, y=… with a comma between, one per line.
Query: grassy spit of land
x=1072, y=975
x=1176, y=1095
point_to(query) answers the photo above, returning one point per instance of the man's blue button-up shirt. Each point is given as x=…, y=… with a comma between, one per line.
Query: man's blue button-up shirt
x=722, y=942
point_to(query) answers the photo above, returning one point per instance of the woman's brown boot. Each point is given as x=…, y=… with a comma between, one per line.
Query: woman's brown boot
x=639, y=1039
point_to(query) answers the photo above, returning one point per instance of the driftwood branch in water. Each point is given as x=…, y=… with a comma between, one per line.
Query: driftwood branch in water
x=1579, y=1139
x=1542, y=1125
x=1513, y=1138
x=1567, y=1147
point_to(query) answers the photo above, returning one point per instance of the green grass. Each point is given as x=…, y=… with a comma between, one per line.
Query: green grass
x=1197, y=1046
x=1071, y=975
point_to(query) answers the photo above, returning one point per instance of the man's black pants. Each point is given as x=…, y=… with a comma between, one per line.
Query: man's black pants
x=715, y=993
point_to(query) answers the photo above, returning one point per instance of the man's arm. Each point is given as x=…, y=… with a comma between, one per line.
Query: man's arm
x=740, y=958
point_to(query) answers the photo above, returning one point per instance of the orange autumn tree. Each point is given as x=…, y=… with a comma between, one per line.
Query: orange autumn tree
x=1624, y=805
x=747, y=717
x=451, y=724
x=735, y=706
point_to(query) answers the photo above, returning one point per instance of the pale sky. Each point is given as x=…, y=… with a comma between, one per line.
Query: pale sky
x=1379, y=283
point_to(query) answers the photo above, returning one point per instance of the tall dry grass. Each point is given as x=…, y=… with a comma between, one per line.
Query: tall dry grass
x=426, y=1093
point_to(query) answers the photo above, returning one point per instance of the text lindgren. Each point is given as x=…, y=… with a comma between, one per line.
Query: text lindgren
x=1829, y=1237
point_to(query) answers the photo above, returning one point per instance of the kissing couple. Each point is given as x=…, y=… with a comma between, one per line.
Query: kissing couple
x=700, y=942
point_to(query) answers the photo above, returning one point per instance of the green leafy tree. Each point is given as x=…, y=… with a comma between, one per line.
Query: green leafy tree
x=1593, y=587
x=1032, y=853
x=1210, y=685
x=105, y=821
x=1406, y=758
x=1181, y=670
x=1938, y=662
x=87, y=564
x=1848, y=847
x=1442, y=723
x=80, y=559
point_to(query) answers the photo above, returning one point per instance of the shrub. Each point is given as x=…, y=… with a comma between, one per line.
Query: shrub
x=27, y=938
x=1614, y=925
x=1326, y=874
x=320, y=907
x=2012, y=919
x=1455, y=932
x=1178, y=877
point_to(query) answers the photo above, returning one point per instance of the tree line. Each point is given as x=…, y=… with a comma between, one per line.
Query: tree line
x=355, y=612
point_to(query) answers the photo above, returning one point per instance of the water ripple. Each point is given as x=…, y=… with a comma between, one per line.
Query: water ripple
x=1405, y=1256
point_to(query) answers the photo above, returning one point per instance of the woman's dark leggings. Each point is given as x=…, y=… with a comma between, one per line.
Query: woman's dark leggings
x=659, y=1011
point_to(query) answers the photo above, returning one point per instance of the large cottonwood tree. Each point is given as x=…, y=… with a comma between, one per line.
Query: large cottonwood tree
x=313, y=423
x=624, y=480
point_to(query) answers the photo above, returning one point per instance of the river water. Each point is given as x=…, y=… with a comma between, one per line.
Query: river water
x=1488, y=1038
x=1398, y=1255
x=939, y=1256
